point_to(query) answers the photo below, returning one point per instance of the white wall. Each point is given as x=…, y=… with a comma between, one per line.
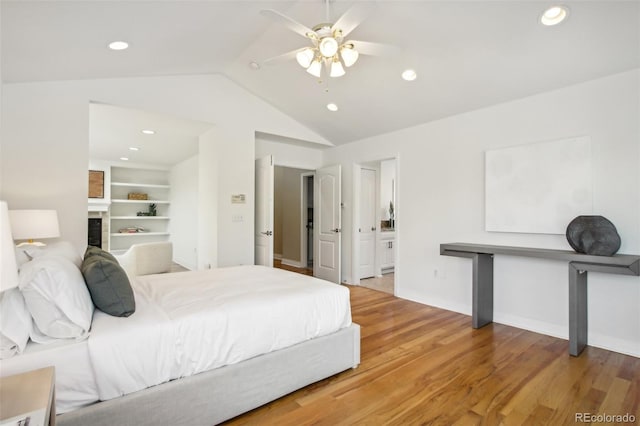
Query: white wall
x=45, y=153
x=288, y=155
x=208, y=200
x=183, y=211
x=440, y=199
x=45, y=137
x=235, y=152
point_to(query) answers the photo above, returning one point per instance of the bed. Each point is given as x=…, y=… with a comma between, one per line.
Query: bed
x=202, y=347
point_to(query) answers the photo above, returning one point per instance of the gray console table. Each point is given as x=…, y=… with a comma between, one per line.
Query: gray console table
x=579, y=265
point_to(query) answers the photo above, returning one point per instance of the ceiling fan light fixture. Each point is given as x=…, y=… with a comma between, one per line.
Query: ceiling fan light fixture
x=305, y=57
x=337, y=70
x=349, y=55
x=315, y=68
x=328, y=47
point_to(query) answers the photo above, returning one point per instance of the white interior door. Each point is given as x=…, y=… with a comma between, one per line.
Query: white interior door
x=367, y=229
x=327, y=223
x=264, y=212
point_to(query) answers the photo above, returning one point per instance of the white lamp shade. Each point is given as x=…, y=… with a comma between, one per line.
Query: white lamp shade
x=315, y=68
x=32, y=224
x=305, y=56
x=349, y=56
x=337, y=70
x=8, y=268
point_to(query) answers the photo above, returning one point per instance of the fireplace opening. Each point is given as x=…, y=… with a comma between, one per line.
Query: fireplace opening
x=95, y=232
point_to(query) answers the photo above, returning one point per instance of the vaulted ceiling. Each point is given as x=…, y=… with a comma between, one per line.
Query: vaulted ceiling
x=467, y=54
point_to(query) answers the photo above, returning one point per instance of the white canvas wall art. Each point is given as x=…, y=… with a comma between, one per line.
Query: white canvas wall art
x=539, y=187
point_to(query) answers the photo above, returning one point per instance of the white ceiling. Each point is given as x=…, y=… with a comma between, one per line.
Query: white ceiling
x=113, y=130
x=468, y=55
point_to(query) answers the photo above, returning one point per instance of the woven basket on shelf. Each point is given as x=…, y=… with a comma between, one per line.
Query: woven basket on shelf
x=137, y=196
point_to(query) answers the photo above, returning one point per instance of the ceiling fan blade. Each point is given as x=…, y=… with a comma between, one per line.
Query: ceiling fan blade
x=374, y=49
x=274, y=60
x=353, y=17
x=294, y=26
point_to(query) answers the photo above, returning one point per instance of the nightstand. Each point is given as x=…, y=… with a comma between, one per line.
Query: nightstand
x=30, y=394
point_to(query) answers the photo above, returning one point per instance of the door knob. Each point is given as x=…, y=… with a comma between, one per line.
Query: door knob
x=268, y=233
x=336, y=230
x=373, y=228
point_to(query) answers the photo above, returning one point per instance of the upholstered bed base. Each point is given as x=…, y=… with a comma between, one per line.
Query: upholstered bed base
x=215, y=396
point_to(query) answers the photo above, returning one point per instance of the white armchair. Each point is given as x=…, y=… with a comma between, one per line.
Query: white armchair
x=147, y=258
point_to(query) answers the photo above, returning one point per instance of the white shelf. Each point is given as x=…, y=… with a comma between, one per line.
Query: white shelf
x=137, y=234
x=123, y=211
x=139, y=185
x=140, y=201
x=139, y=217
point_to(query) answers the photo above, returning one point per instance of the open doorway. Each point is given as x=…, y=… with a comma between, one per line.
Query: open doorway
x=135, y=168
x=375, y=213
x=307, y=222
x=293, y=219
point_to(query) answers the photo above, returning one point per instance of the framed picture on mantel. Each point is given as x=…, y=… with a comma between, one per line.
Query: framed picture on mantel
x=96, y=184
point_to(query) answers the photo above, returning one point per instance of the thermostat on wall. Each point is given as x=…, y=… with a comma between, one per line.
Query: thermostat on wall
x=238, y=198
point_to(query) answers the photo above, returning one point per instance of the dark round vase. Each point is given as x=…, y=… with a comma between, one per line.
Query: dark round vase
x=594, y=235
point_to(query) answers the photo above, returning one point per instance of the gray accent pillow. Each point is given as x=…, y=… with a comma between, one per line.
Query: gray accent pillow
x=108, y=284
x=97, y=251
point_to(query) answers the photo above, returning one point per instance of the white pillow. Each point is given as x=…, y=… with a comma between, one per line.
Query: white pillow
x=57, y=298
x=15, y=323
x=61, y=248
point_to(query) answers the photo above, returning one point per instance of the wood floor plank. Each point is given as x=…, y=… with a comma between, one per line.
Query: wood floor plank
x=422, y=365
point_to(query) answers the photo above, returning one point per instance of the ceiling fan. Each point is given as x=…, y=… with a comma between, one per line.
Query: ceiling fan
x=329, y=46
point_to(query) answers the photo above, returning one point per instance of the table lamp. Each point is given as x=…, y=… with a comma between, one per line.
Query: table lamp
x=33, y=224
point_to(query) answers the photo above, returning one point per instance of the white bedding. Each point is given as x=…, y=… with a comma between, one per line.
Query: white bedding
x=190, y=322
x=186, y=323
x=75, y=382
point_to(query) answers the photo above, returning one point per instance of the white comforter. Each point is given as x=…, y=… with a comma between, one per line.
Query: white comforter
x=190, y=322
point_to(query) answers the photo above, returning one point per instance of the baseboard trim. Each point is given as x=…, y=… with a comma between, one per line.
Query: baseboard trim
x=294, y=263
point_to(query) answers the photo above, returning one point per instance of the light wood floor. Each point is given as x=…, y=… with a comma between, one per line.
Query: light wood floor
x=422, y=365
x=384, y=283
x=305, y=271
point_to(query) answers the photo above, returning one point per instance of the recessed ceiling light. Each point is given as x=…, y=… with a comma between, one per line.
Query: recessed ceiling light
x=124, y=158
x=148, y=132
x=332, y=107
x=134, y=148
x=409, y=75
x=254, y=65
x=118, y=45
x=554, y=15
